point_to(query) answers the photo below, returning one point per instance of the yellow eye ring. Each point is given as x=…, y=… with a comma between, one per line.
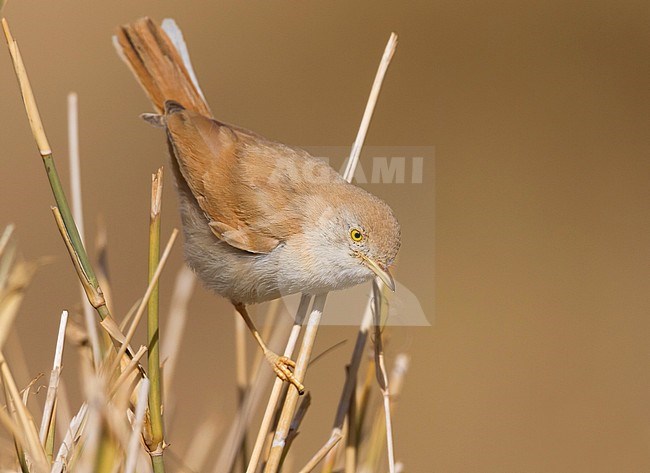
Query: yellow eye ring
x=356, y=235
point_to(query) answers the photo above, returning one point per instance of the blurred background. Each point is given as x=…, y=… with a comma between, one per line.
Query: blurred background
x=531, y=264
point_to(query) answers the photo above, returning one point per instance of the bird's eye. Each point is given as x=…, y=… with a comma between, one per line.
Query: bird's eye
x=356, y=235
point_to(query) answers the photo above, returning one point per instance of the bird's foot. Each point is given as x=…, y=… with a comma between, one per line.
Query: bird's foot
x=283, y=368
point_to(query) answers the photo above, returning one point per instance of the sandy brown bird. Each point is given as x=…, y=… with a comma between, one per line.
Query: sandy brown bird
x=261, y=219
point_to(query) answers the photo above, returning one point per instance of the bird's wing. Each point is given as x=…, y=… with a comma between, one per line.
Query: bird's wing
x=243, y=183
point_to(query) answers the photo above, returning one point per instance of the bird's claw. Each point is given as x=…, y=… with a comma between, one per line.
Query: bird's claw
x=283, y=368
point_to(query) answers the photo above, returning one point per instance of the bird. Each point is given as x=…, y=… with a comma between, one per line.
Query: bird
x=260, y=219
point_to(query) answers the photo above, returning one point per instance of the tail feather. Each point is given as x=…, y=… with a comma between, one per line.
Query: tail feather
x=176, y=36
x=159, y=64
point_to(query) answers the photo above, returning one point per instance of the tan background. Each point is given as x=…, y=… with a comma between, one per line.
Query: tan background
x=537, y=360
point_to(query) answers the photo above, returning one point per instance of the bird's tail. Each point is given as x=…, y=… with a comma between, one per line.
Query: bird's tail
x=158, y=57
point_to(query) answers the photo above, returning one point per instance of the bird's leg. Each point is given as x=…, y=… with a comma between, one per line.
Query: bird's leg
x=282, y=365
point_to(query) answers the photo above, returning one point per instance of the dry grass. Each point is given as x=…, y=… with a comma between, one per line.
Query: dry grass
x=119, y=426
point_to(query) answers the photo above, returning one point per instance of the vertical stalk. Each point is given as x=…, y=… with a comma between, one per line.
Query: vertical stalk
x=156, y=444
x=89, y=280
x=77, y=213
x=347, y=398
x=49, y=441
x=381, y=313
x=277, y=386
x=279, y=439
x=351, y=440
x=242, y=381
x=304, y=355
x=20, y=452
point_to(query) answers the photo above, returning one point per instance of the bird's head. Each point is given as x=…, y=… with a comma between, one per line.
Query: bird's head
x=362, y=233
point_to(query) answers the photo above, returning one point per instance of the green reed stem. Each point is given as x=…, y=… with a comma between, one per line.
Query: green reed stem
x=157, y=444
x=87, y=276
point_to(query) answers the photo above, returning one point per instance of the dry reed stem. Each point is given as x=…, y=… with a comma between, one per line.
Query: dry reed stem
x=25, y=421
x=170, y=343
x=83, y=458
x=314, y=319
x=70, y=440
x=92, y=290
x=348, y=174
x=129, y=315
x=277, y=385
x=6, y=235
x=76, y=261
x=377, y=435
x=315, y=460
x=27, y=389
x=294, y=428
x=389, y=422
x=351, y=453
x=85, y=269
x=381, y=313
x=115, y=427
x=120, y=413
x=12, y=295
x=128, y=370
x=351, y=164
x=101, y=252
x=363, y=400
x=347, y=392
x=254, y=395
x=304, y=355
x=74, y=161
x=26, y=90
x=63, y=412
x=7, y=257
x=134, y=440
x=91, y=430
x=77, y=213
x=19, y=440
x=49, y=440
x=107, y=342
x=9, y=424
x=48, y=409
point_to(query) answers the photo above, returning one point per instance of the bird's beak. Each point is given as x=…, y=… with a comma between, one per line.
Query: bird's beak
x=381, y=273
